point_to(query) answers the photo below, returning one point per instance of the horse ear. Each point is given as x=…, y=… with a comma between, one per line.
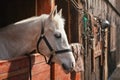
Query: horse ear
x=53, y=13
x=60, y=12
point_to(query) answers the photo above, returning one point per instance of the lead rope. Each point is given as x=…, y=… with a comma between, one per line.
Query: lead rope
x=30, y=65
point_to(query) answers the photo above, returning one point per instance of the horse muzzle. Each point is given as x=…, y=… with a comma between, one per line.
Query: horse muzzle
x=67, y=68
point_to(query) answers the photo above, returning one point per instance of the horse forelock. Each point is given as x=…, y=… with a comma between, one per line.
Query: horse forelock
x=59, y=20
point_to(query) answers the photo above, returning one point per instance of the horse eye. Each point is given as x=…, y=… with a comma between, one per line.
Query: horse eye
x=57, y=35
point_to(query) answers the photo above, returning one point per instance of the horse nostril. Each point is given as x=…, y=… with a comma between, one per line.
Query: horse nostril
x=68, y=68
x=65, y=66
x=72, y=65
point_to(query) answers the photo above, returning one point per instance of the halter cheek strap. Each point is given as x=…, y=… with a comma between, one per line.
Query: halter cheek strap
x=53, y=52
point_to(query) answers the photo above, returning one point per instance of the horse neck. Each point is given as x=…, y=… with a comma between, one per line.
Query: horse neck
x=32, y=35
x=23, y=37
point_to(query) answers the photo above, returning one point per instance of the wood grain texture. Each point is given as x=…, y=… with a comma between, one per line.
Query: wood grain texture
x=17, y=67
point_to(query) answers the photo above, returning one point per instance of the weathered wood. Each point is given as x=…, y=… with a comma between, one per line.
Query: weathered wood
x=106, y=56
x=116, y=74
x=103, y=10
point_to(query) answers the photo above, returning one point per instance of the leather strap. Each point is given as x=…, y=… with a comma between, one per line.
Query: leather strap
x=53, y=52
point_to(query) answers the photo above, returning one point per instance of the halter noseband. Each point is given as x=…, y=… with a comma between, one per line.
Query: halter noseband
x=53, y=52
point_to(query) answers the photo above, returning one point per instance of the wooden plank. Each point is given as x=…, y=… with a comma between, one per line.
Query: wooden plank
x=12, y=65
x=19, y=77
x=106, y=56
x=42, y=76
x=75, y=76
x=10, y=74
x=59, y=73
x=19, y=66
x=25, y=76
x=78, y=76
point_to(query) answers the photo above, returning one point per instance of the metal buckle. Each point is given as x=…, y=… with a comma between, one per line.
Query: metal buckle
x=42, y=35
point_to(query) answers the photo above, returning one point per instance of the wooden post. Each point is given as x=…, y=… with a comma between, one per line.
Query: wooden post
x=105, y=56
x=69, y=22
x=44, y=6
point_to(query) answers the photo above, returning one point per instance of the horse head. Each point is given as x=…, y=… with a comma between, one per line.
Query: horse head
x=55, y=43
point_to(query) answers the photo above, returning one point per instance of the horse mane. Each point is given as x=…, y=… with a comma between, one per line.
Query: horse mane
x=27, y=20
x=21, y=24
x=59, y=19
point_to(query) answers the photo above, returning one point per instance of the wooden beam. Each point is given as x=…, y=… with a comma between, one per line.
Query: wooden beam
x=44, y=6
x=106, y=56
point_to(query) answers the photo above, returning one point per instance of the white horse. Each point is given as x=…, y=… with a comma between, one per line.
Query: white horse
x=44, y=33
